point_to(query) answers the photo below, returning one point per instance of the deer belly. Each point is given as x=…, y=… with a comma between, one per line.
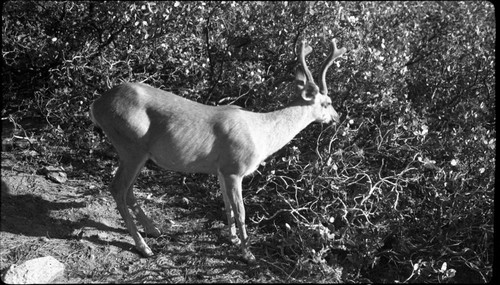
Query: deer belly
x=185, y=155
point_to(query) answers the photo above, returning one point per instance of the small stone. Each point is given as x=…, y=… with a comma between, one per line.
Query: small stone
x=56, y=174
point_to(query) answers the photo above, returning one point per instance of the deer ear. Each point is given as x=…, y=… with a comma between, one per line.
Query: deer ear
x=307, y=94
x=301, y=81
x=300, y=78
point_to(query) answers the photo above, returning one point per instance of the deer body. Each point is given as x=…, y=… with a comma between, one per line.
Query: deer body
x=182, y=135
x=178, y=134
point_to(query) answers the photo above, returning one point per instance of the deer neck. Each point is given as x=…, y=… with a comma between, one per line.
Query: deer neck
x=281, y=126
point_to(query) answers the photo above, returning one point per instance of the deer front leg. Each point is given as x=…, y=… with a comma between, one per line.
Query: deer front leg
x=229, y=213
x=234, y=193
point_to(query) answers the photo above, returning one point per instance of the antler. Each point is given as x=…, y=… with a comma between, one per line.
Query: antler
x=334, y=53
x=302, y=58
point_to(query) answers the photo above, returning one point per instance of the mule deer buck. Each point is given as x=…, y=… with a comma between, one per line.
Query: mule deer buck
x=177, y=134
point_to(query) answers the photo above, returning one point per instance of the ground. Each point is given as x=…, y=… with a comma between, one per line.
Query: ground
x=77, y=222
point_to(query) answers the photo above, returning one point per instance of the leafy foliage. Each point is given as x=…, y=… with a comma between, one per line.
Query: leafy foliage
x=404, y=185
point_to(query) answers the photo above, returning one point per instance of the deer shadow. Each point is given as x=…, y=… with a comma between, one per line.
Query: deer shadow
x=29, y=215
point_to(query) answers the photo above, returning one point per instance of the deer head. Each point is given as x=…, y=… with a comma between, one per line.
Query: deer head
x=307, y=88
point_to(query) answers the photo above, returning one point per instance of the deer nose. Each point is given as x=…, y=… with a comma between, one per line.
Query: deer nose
x=335, y=117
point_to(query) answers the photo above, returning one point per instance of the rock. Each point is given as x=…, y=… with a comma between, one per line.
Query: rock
x=41, y=270
x=56, y=174
x=59, y=177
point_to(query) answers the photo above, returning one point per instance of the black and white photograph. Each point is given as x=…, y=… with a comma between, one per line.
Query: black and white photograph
x=248, y=142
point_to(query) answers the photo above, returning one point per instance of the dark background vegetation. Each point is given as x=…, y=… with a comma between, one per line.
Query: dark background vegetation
x=401, y=190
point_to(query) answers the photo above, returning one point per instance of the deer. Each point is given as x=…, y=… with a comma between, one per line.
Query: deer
x=145, y=123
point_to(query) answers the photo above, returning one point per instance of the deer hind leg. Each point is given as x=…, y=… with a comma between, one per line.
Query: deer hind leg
x=229, y=213
x=233, y=187
x=122, y=183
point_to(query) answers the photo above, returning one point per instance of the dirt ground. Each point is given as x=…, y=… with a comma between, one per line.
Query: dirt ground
x=77, y=222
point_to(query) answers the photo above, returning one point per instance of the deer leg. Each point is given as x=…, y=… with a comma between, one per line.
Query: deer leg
x=229, y=213
x=120, y=186
x=234, y=193
x=149, y=226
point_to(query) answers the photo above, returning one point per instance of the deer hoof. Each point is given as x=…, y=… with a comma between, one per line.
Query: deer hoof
x=248, y=257
x=145, y=250
x=154, y=232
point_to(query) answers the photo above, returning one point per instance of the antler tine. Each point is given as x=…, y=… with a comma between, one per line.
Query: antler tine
x=334, y=53
x=302, y=57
